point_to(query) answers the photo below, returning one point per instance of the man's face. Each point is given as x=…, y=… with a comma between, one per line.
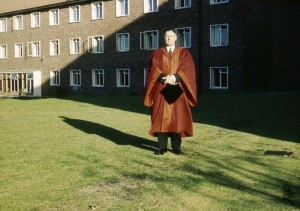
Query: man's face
x=170, y=38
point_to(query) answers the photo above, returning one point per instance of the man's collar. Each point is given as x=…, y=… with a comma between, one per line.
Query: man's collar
x=170, y=47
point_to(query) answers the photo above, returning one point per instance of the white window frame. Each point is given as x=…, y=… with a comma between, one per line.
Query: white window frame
x=223, y=72
x=122, y=8
x=186, y=4
x=75, y=77
x=218, y=1
x=150, y=6
x=186, y=36
x=74, y=17
x=54, y=47
x=17, y=81
x=216, y=35
x=3, y=51
x=145, y=75
x=54, y=77
x=54, y=17
x=73, y=47
x=122, y=42
x=93, y=46
x=18, y=22
x=3, y=24
x=95, y=12
x=13, y=81
x=144, y=37
x=35, y=20
x=2, y=84
x=98, y=75
x=19, y=52
x=34, y=49
x=29, y=83
x=123, y=77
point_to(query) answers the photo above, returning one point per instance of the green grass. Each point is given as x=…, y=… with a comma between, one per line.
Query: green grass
x=94, y=153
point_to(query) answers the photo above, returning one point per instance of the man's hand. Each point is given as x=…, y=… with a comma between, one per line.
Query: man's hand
x=170, y=79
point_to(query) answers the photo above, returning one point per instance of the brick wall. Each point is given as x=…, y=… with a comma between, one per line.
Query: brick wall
x=230, y=56
x=110, y=60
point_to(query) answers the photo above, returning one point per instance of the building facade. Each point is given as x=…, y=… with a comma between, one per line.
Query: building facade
x=103, y=47
x=89, y=47
x=249, y=45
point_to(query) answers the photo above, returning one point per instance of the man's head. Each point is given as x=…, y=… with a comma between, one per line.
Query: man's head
x=170, y=37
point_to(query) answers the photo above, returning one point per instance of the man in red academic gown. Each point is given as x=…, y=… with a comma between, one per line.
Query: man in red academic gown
x=170, y=91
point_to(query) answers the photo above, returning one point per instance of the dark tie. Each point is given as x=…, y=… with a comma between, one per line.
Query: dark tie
x=170, y=51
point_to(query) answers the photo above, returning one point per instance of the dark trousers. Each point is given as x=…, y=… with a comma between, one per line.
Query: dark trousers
x=163, y=140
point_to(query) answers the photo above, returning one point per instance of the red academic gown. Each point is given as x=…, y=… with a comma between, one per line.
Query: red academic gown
x=175, y=117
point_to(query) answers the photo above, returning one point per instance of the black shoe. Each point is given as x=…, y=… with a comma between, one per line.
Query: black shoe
x=160, y=152
x=177, y=151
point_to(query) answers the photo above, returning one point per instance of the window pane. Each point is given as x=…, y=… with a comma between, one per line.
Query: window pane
x=98, y=10
x=184, y=37
x=216, y=78
x=122, y=42
x=224, y=36
x=3, y=25
x=18, y=50
x=219, y=78
x=219, y=35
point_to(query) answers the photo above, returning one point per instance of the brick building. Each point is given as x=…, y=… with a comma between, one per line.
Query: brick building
x=89, y=47
x=103, y=47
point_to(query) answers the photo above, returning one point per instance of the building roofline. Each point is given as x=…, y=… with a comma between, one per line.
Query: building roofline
x=40, y=8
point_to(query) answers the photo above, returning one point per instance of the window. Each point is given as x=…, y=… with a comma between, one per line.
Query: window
x=54, y=17
x=149, y=40
x=122, y=8
x=123, y=77
x=54, y=77
x=17, y=82
x=183, y=37
x=97, y=10
x=18, y=50
x=145, y=75
x=150, y=6
x=122, y=40
x=35, y=20
x=98, y=78
x=219, y=77
x=75, y=77
x=74, y=14
x=18, y=22
x=74, y=46
x=34, y=49
x=3, y=24
x=218, y=1
x=14, y=85
x=96, y=44
x=2, y=82
x=219, y=35
x=54, y=48
x=3, y=51
x=29, y=83
x=180, y=4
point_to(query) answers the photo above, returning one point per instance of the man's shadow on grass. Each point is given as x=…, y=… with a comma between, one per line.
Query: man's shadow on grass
x=110, y=134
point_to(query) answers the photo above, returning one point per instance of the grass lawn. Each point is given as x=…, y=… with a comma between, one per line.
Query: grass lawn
x=94, y=153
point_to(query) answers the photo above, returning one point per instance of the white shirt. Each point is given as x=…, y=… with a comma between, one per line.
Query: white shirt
x=170, y=47
x=172, y=50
